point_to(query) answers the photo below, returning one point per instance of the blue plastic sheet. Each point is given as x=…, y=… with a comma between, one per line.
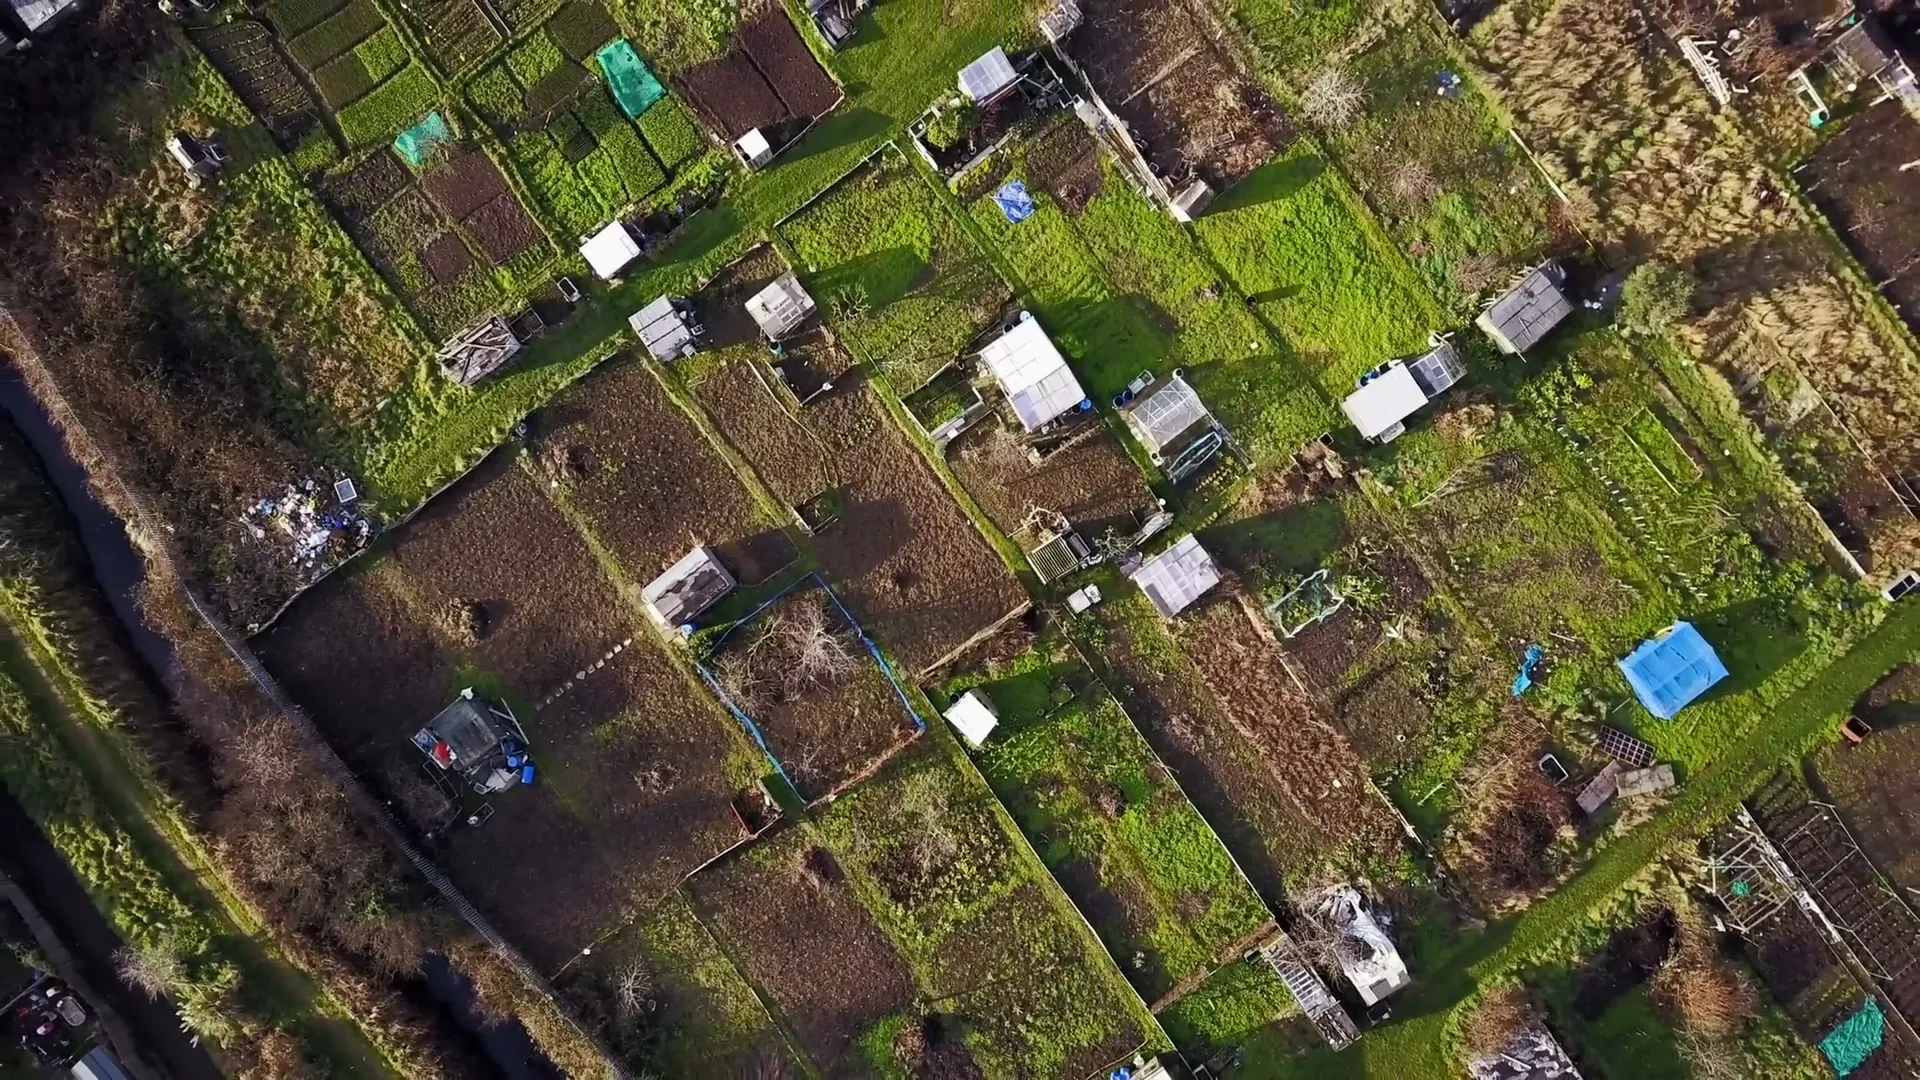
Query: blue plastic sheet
x=1015, y=201
x=1524, y=678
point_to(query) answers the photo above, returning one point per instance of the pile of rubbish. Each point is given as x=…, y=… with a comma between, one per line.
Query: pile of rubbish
x=319, y=518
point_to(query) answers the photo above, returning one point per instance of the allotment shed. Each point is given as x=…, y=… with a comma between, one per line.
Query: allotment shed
x=1175, y=578
x=1671, y=669
x=985, y=80
x=1390, y=393
x=1521, y=317
x=611, y=250
x=688, y=588
x=666, y=328
x=780, y=308
x=478, y=351
x=973, y=718
x=1166, y=416
x=1032, y=373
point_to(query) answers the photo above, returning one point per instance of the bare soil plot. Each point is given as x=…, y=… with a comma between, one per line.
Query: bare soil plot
x=795, y=924
x=626, y=456
x=803, y=674
x=787, y=457
x=246, y=54
x=789, y=66
x=1093, y=482
x=1857, y=181
x=1241, y=663
x=464, y=183
x=1068, y=163
x=907, y=560
x=1876, y=784
x=448, y=258
x=1190, y=110
x=767, y=80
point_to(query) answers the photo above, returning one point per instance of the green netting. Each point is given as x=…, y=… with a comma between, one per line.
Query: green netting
x=417, y=142
x=634, y=87
x=1857, y=1037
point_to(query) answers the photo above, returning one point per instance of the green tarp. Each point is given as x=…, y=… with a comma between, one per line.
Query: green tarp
x=1857, y=1037
x=633, y=86
x=417, y=142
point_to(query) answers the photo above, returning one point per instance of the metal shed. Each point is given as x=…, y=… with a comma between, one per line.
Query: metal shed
x=781, y=307
x=1164, y=414
x=610, y=250
x=988, y=77
x=973, y=718
x=1518, y=320
x=1385, y=399
x=688, y=588
x=1178, y=576
x=1671, y=669
x=753, y=149
x=36, y=14
x=1531, y=1053
x=666, y=328
x=1032, y=373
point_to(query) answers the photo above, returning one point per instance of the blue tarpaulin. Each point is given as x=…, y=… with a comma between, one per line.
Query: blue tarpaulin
x=1849, y=1045
x=417, y=143
x=1015, y=201
x=1524, y=678
x=1671, y=669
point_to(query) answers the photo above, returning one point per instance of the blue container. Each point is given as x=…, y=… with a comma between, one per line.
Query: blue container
x=526, y=773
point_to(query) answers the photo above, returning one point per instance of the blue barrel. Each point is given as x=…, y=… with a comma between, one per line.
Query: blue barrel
x=526, y=773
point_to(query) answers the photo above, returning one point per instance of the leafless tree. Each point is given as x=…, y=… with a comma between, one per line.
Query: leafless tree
x=1333, y=98
x=734, y=672
x=1413, y=183
x=817, y=652
x=1712, y=1058
x=633, y=989
x=152, y=969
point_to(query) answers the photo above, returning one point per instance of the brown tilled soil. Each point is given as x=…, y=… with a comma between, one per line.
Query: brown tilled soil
x=1188, y=108
x=825, y=728
x=1313, y=761
x=1067, y=162
x=646, y=478
x=1093, y=482
x=904, y=557
x=776, y=49
x=805, y=939
x=1877, y=788
x=1218, y=768
x=786, y=456
x=447, y=259
x=732, y=95
x=722, y=305
x=503, y=228
x=464, y=184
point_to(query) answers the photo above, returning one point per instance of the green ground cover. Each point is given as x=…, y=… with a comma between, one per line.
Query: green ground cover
x=336, y=34
x=585, y=165
x=896, y=270
x=1243, y=1005
x=712, y=1014
x=1292, y=38
x=1297, y=243
x=984, y=929
x=389, y=108
x=1108, y=821
x=670, y=133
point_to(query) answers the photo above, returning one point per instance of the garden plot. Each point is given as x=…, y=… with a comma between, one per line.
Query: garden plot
x=572, y=144
x=742, y=403
x=1092, y=481
x=1856, y=179
x=905, y=285
x=360, y=65
x=245, y=53
x=768, y=80
x=986, y=935
x=1876, y=785
x=1193, y=114
x=804, y=674
x=455, y=242
x=796, y=926
x=1221, y=770
x=1112, y=826
x=619, y=451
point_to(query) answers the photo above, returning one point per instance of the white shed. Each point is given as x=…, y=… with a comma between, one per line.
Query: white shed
x=665, y=329
x=988, y=77
x=611, y=250
x=1178, y=576
x=973, y=718
x=1383, y=401
x=754, y=149
x=781, y=307
x=1032, y=373
x=689, y=587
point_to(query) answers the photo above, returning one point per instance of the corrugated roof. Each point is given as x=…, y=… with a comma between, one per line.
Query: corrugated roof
x=1670, y=670
x=1384, y=401
x=1175, y=578
x=1518, y=320
x=988, y=75
x=1163, y=414
x=1032, y=373
x=663, y=329
x=1437, y=369
x=689, y=587
x=37, y=13
x=781, y=307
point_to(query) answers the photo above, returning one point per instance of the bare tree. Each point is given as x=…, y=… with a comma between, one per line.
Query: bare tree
x=1333, y=98
x=1413, y=183
x=817, y=652
x=153, y=968
x=734, y=672
x=1476, y=272
x=633, y=989
x=1712, y=1058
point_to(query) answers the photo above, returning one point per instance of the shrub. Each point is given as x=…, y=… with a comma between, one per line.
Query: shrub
x=579, y=29
x=534, y=59
x=1655, y=295
x=950, y=125
x=1333, y=99
x=315, y=152
x=496, y=97
x=336, y=34
x=670, y=133
x=392, y=106
x=382, y=54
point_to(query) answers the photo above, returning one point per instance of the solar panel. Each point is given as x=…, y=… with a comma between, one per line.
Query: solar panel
x=1626, y=749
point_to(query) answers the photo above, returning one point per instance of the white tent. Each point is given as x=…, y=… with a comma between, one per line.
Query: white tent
x=1386, y=399
x=987, y=77
x=973, y=718
x=1032, y=373
x=781, y=307
x=1178, y=576
x=610, y=250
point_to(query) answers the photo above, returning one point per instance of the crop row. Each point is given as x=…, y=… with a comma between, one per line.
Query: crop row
x=348, y=78
x=336, y=34
x=392, y=106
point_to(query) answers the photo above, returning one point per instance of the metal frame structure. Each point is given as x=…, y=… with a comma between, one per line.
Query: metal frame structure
x=1750, y=877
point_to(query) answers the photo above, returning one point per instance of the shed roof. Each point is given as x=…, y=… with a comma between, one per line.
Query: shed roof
x=973, y=718
x=35, y=14
x=1865, y=47
x=1385, y=400
x=781, y=307
x=1035, y=377
x=1165, y=412
x=1532, y=1053
x=610, y=250
x=1437, y=369
x=689, y=587
x=467, y=730
x=1178, y=576
x=664, y=329
x=1671, y=669
x=1370, y=961
x=1528, y=311
x=753, y=147
x=988, y=76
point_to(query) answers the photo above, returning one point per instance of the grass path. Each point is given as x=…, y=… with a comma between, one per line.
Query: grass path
x=73, y=718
